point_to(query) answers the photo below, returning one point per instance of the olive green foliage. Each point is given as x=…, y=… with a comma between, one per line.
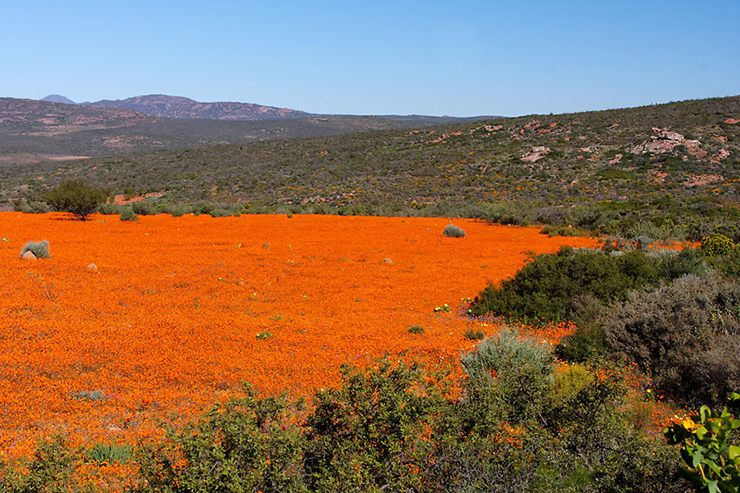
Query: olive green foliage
x=522, y=425
x=367, y=435
x=128, y=214
x=77, y=197
x=712, y=461
x=474, y=334
x=685, y=335
x=38, y=248
x=716, y=245
x=453, y=231
x=572, y=285
x=110, y=453
x=517, y=423
x=416, y=329
x=49, y=470
x=30, y=206
x=245, y=444
x=521, y=366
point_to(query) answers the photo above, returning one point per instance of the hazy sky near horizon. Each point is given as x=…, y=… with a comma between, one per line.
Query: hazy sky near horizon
x=434, y=57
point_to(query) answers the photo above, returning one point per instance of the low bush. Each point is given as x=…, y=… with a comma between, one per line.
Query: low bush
x=716, y=245
x=30, y=206
x=38, y=248
x=452, y=231
x=144, y=208
x=685, y=336
x=571, y=285
x=110, y=453
x=245, y=444
x=474, y=334
x=416, y=329
x=128, y=214
x=110, y=209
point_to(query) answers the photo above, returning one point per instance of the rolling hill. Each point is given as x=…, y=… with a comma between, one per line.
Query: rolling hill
x=32, y=131
x=661, y=171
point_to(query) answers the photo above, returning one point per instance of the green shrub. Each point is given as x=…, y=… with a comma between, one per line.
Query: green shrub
x=128, y=214
x=245, y=444
x=685, y=336
x=453, y=231
x=30, y=206
x=110, y=453
x=264, y=335
x=474, y=334
x=570, y=284
x=38, y=248
x=77, y=197
x=712, y=461
x=569, y=381
x=716, y=245
x=110, y=209
x=551, y=231
x=368, y=435
x=144, y=208
x=50, y=469
x=586, y=343
x=518, y=368
x=521, y=425
x=416, y=329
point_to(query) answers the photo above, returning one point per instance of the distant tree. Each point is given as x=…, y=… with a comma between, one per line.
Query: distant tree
x=77, y=197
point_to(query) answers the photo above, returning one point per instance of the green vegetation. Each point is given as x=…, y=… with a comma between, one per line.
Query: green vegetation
x=416, y=329
x=128, y=214
x=110, y=453
x=712, y=462
x=535, y=426
x=717, y=245
x=684, y=335
x=39, y=248
x=668, y=313
x=453, y=231
x=77, y=197
x=575, y=285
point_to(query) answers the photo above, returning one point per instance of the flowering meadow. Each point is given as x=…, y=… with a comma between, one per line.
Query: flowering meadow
x=177, y=312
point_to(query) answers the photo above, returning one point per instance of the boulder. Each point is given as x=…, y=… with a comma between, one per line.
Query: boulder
x=28, y=255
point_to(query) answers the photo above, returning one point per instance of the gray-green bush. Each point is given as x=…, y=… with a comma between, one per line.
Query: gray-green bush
x=38, y=248
x=453, y=231
x=685, y=335
x=128, y=214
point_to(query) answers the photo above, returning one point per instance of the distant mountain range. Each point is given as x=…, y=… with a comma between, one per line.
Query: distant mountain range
x=33, y=130
x=163, y=106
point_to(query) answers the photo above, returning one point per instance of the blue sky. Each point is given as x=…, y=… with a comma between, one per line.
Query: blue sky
x=458, y=58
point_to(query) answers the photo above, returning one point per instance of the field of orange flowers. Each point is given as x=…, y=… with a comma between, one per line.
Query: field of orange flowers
x=181, y=311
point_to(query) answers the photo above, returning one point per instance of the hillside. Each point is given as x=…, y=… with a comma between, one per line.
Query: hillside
x=663, y=170
x=32, y=131
x=28, y=116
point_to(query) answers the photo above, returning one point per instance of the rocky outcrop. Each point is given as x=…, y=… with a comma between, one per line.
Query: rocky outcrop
x=664, y=141
x=537, y=153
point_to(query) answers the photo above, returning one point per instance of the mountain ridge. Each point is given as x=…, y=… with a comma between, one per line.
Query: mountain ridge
x=165, y=106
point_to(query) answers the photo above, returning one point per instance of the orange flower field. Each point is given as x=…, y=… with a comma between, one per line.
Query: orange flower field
x=181, y=311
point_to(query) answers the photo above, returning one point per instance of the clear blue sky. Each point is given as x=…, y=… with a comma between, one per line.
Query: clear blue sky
x=456, y=58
